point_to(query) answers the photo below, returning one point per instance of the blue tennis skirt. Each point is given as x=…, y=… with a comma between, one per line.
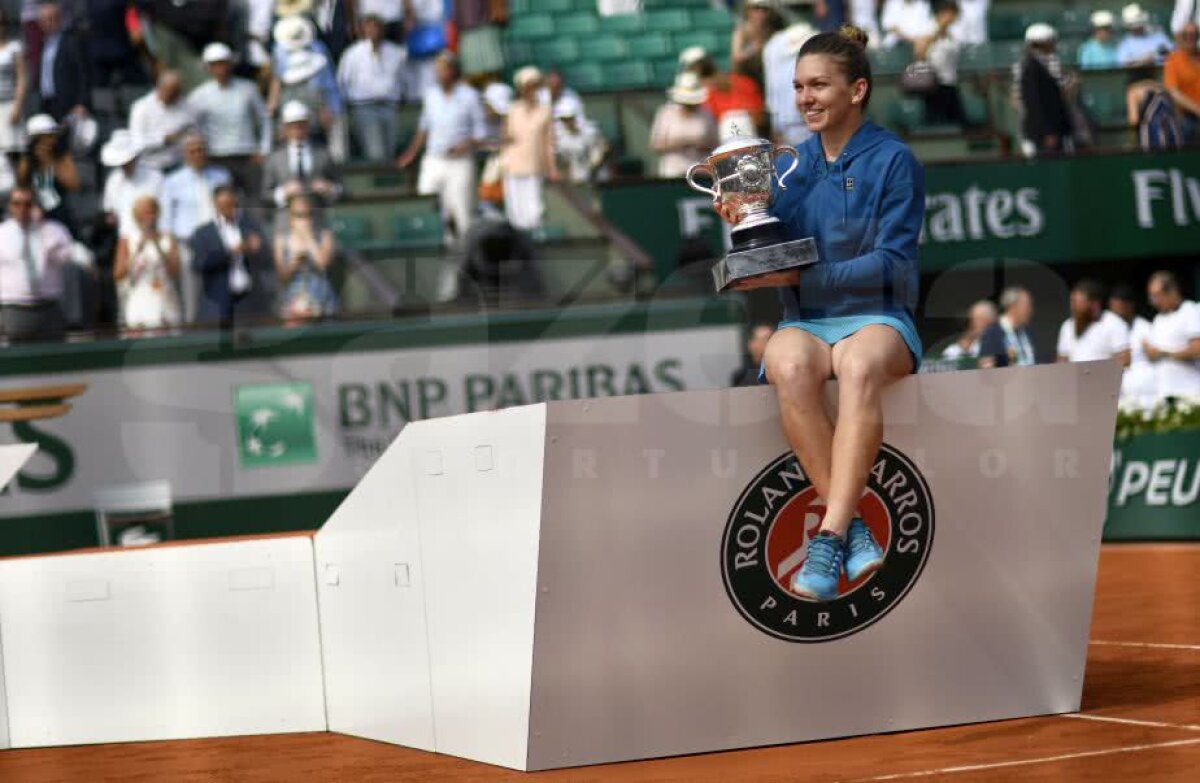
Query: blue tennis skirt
x=835, y=328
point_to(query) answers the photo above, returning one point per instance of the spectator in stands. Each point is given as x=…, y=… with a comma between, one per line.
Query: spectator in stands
x=497, y=97
x=1137, y=384
x=451, y=126
x=1100, y=51
x=1174, y=342
x=971, y=27
x=233, y=119
x=1006, y=342
x=734, y=99
x=49, y=170
x=304, y=251
x=829, y=15
x=159, y=121
x=1046, y=115
x=34, y=252
x=14, y=85
x=234, y=263
x=779, y=68
x=943, y=104
x=528, y=156
x=864, y=14
x=187, y=198
x=259, y=16
x=756, y=346
x=618, y=7
x=64, y=75
x=905, y=21
x=479, y=44
x=114, y=59
x=683, y=133
x=128, y=180
x=425, y=39
x=1092, y=332
x=371, y=77
x=559, y=97
x=303, y=71
x=579, y=145
x=1181, y=77
x=1185, y=11
x=760, y=20
x=147, y=271
x=980, y=317
x=177, y=29
x=300, y=165
x=389, y=12
x=1141, y=45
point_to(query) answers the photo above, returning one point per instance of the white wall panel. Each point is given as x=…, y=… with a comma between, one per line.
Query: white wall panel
x=162, y=643
x=369, y=579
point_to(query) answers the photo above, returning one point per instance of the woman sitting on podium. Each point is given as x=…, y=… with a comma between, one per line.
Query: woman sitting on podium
x=860, y=193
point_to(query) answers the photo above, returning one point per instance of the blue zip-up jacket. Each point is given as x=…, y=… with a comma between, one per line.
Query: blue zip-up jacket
x=865, y=211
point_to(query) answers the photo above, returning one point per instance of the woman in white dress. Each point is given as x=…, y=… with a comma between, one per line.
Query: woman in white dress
x=147, y=271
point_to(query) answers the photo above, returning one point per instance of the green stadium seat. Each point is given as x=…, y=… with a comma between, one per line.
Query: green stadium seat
x=603, y=48
x=585, y=76
x=892, y=60
x=628, y=74
x=1075, y=22
x=555, y=6
x=974, y=106
x=520, y=7
x=975, y=58
x=650, y=46
x=352, y=231
x=531, y=26
x=577, y=24
x=418, y=230
x=521, y=51
x=664, y=71
x=668, y=20
x=712, y=19
x=710, y=40
x=557, y=51
x=623, y=23
x=652, y=4
x=1006, y=25
x=1106, y=107
x=907, y=114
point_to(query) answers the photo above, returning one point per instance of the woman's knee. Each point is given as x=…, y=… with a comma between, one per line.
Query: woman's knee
x=796, y=371
x=859, y=373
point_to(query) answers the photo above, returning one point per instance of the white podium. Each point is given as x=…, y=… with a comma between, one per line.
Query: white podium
x=594, y=581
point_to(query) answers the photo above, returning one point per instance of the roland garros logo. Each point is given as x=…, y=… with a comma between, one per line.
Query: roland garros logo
x=767, y=535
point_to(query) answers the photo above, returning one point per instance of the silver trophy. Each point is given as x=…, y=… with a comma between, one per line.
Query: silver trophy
x=742, y=172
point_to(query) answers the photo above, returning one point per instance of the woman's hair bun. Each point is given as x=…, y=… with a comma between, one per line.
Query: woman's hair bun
x=854, y=34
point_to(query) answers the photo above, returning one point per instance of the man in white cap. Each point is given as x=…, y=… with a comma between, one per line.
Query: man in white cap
x=779, y=71
x=692, y=58
x=1142, y=44
x=580, y=145
x=299, y=166
x=559, y=97
x=1046, y=117
x=128, y=180
x=159, y=120
x=451, y=126
x=370, y=76
x=1100, y=51
x=233, y=118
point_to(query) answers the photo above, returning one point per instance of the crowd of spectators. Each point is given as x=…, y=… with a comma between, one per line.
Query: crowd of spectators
x=1161, y=356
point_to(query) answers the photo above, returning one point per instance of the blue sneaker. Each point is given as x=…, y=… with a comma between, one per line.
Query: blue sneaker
x=818, y=577
x=863, y=555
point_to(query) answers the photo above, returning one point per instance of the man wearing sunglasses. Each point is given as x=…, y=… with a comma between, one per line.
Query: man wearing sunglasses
x=33, y=253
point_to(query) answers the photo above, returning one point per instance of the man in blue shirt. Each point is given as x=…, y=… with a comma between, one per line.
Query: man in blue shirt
x=1100, y=51
x=1141, y=44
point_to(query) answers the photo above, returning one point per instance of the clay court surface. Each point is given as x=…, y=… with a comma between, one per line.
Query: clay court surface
x=1140, y=721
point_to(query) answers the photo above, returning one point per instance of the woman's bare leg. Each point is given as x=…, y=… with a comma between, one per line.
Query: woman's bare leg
x=798, y=365
x=865, y=364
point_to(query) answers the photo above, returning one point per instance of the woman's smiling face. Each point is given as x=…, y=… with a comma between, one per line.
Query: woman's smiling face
x=825, y=97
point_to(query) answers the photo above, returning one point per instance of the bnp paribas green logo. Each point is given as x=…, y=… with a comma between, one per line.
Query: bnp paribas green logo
x=275, y=424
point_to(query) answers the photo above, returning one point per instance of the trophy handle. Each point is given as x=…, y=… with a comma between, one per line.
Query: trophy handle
x=783, y=149
x=696, y=167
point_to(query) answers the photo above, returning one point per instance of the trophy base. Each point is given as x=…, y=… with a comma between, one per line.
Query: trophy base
x=770, y=266
x=759, y=234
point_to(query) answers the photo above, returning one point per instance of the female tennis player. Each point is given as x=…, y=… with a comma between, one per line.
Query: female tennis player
x=860, y=193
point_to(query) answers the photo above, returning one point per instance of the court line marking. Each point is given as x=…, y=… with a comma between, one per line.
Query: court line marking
x=1148, y=645
x=1131, y=721
x=1027, y=762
